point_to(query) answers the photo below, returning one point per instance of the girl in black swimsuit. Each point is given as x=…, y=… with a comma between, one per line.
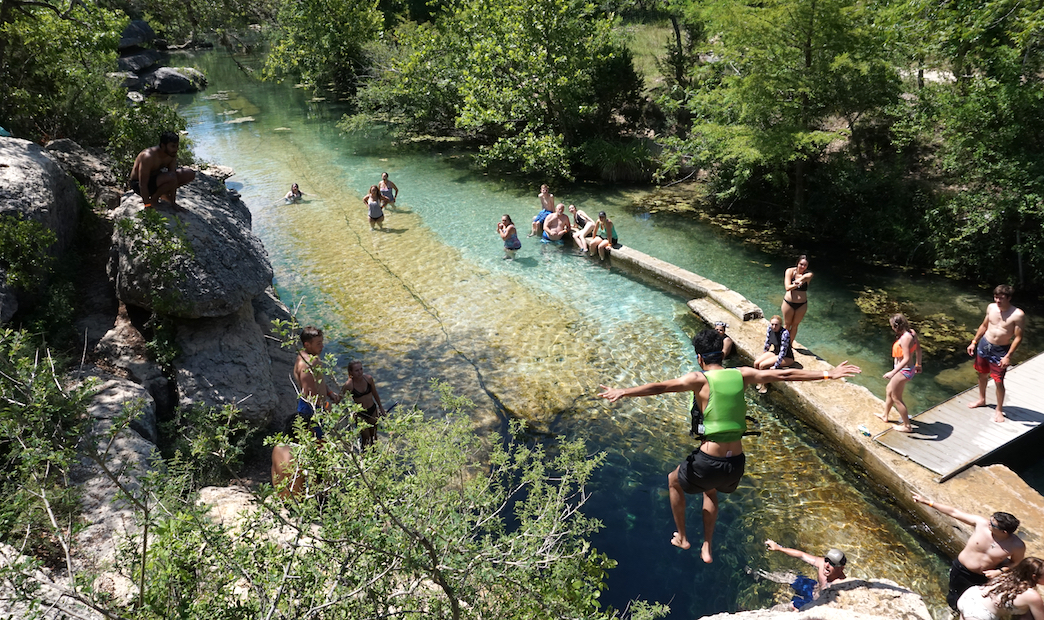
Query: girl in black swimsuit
x=795, y=300
x=364, y=393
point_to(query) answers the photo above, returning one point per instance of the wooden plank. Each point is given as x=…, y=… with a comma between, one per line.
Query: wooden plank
x=972, y=434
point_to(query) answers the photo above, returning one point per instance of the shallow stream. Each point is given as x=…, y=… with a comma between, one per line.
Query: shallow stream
x=430, y=296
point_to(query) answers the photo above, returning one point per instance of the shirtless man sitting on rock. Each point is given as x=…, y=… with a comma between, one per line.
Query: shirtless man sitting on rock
x=993, y=547
x=156, y=174
x=994, y=342
x=556, y=225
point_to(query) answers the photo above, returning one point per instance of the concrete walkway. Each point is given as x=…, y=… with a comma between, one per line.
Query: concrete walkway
x=838, y=408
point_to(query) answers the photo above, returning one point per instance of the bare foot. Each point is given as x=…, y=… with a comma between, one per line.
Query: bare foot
x=979, y=403
x=903, y=428
x=679, y=541
x=998, y=416
x=882, y=416
x=705, y=553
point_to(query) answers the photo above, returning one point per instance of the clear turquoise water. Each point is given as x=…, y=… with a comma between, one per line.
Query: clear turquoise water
x=430, y=296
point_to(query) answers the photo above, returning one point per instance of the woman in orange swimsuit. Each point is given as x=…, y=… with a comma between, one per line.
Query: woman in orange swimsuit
x=904, y=350
x=795, y=300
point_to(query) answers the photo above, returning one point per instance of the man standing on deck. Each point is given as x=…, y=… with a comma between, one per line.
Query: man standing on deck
x=993, y=547
x=994, y=342
x=719, y=419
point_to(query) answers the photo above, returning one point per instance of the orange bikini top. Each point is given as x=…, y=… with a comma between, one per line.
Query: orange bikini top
x=897, y=349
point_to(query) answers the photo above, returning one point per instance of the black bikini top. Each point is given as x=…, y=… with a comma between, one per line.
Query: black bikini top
x=360, y=394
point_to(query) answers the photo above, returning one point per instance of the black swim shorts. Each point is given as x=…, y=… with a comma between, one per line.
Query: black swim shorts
x=135, y=185
x=702, y=472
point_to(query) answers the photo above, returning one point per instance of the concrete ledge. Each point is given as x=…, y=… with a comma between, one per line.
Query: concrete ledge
x=687, y=281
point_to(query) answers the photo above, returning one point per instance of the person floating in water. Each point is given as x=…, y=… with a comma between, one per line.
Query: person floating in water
x=994, y=342
x=829, y=568
x=293, y=195
x=719, y=419
x=156, y=175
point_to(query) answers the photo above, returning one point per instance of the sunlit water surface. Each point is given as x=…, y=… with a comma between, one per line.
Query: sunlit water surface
x=430, y=296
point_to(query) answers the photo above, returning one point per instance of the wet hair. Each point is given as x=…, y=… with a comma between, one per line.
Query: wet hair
x=1006, y=522
x=801, y=258
x=309, y=333
x=384, y=174
x=1004, y=289
x=169, y=136
x=708, y=344
x=294, y=186
x=899, y=323
x=509, y=219
x=1013, y=582
x=353, y=364
x=374, y=188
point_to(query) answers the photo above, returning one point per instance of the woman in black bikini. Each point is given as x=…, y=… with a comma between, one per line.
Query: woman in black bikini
x=364, y=392
x=795, y=300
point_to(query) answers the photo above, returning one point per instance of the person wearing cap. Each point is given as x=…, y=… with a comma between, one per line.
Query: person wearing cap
x=718, y=419
x=992, y=548
x=829, y=568
x=727, y=345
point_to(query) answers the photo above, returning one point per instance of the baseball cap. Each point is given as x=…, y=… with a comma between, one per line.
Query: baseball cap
x=836, y=557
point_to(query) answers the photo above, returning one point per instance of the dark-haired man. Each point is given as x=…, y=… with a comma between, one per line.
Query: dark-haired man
x=156, y=174
x=719, y=419
x=991, y=548
x=994, y=342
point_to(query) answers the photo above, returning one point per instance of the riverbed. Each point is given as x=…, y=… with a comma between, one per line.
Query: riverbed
x=431, y=296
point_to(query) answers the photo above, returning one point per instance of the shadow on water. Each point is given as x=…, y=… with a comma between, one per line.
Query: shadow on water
x=534, y=337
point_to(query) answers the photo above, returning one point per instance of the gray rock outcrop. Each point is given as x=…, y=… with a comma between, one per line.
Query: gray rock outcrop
x=267, y=308
x=171, y=80
x=849, y=599
x=228, y=265
x=140, y=61
x=138, y=33
x=225, y=361
x=92, y=168
x=34, y=186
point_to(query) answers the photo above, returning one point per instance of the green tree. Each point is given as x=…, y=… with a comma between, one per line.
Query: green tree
x=779, y=73
x=530, y=81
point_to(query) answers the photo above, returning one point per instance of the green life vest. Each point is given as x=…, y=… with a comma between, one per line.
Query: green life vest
x=726, y=416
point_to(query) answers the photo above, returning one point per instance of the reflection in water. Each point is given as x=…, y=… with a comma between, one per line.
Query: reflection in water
x=533, y=338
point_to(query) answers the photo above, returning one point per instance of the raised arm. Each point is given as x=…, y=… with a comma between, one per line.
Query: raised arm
x=688, y=383
x=950, y=511
x=794, y=553
x=753, y=375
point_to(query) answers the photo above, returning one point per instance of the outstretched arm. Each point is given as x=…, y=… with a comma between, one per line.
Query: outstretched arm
x=950, y=511
x=794, y=553
x=753, y=375
x=688, y=383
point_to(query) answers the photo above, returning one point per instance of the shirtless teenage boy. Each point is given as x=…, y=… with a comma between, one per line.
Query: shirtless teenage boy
x=547, y=207
x=991, y=548
x=994, y=342
x=314, y=393
x=156, y=174
x=719, y=419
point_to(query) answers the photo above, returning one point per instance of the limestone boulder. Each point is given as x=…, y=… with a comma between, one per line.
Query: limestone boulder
x=115, y=397
x=175, y=80
x=225, y=265
x=123, y=346
x=127, y=79
x=140, y=61
x=138, y=33
x=268, y=308
x=225, y=361
x=849, y=599
x=33, y=185
x=91, y=167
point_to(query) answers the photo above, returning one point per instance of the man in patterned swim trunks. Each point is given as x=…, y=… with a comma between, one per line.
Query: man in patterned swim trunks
x=994, y=342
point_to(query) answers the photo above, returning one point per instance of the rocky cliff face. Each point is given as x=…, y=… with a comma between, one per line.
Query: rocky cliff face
x=849, y=599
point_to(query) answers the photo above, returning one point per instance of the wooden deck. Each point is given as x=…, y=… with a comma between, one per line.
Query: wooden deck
x=950, y=437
